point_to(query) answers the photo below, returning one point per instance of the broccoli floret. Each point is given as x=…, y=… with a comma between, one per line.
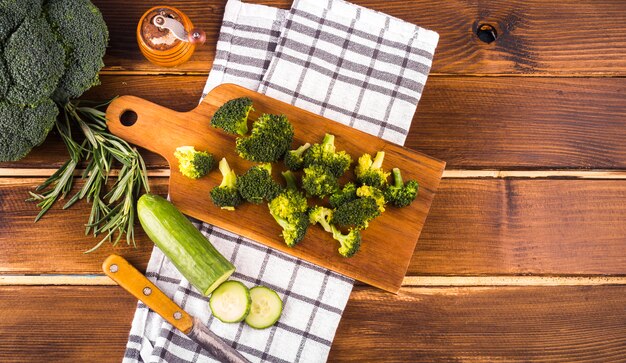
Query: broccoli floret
x=356, y=214
x=84, y=45
x=367, y=191
x=257, y=184
x=325, y=154
x=13, y=13
x=401, y=194
x=294, y=159
x=319, y=181
x=270, y=139
x=232, y=116
x=226, y=195
x=192, y=163
x=22, y=128
x=36, y=72
x=346, y=194
x=289, y=210
x=370, y=172
x=294, y=227
x=349, y=243
x=289, y=201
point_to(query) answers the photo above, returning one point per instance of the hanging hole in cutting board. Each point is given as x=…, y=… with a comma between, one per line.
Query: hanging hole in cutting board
x=128, y=118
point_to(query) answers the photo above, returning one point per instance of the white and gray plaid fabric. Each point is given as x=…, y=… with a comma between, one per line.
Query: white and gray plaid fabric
x=345, y=62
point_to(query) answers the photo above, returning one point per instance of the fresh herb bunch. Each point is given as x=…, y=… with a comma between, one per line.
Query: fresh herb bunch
x=112, y=209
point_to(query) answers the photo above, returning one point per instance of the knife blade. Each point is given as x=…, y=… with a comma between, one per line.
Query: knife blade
x=133, y=281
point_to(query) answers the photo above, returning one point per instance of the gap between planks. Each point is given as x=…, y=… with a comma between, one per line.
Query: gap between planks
x=409, y=281
x=119, y=71
x=448, y=174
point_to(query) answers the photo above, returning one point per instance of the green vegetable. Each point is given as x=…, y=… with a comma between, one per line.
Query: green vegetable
x=356, y=214
x=370, y=172
x=270, y=138
x=49, y=51
x=326, y=155
x=319, y=181
x=401, y=194
x=367, y=191
x=192, y=163
x=346, y=194
x=226, y=195
x=266, y=308
x=289, y=210
x=294, y=159
x=232, y=116
x=230, y=302
x=349, y=243
x=192, y=254
x=257, y=184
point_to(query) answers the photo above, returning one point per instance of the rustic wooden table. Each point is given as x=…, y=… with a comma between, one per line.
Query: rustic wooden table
x=523, y=256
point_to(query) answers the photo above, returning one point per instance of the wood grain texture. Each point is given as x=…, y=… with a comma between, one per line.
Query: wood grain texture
x=381, y=262
x=556, y=324
x=535, y=37
x=475, y=227
x=470, y=122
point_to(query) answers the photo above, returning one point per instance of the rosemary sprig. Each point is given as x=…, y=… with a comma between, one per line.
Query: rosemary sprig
x=113, y=209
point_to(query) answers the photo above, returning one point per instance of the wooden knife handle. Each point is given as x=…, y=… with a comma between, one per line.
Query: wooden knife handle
x=133, y=281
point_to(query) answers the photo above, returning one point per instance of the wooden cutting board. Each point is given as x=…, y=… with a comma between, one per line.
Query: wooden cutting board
x=388, y=243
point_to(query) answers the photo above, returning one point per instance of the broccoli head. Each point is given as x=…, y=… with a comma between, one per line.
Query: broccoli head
x=294, y=227
x=35, y=73
x=401, y=194
x=325, y=154
x=356, y=214
x=346, y=194
x=49, y=51
x=370, y=172
x=349, y=243
x=289, y=210
x=270, y=139
x=290, y=200
x=226, y=195
x=367, y=191
x=319, y=181
x=257, y=184
x=232, y=116
x=23, y=128
x=84, y=36
x=192, y=163
x=294, y=159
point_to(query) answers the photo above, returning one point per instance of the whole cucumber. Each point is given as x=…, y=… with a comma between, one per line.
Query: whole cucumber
x=192, y=254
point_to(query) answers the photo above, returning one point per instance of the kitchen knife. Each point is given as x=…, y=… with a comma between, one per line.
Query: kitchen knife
x=133, y=281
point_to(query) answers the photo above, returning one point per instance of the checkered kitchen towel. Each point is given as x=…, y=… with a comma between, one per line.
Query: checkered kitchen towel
x=348, y=63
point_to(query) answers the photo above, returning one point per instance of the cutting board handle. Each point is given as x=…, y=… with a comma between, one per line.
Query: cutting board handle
x=146, y=124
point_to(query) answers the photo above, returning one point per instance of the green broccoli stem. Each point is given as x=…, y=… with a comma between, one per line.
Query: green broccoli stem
x=328, y=143
x=397, y=177
x=299, y=151
x=229, y=178
x=378, y=160
x=290, y=178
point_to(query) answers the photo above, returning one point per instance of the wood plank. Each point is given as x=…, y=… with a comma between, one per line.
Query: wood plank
x=475, y=227
x=470, y=122
x=564, y=324
x=535, y=37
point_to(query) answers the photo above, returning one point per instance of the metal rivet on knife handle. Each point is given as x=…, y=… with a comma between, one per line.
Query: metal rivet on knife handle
x=113, y=268
x=147, y=291
x=178, y=315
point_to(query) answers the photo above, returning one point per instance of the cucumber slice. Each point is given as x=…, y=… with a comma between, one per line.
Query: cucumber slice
x=266, y=307
x=230, y=302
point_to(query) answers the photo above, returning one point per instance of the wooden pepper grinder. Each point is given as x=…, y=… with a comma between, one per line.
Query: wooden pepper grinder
x=166, y=36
